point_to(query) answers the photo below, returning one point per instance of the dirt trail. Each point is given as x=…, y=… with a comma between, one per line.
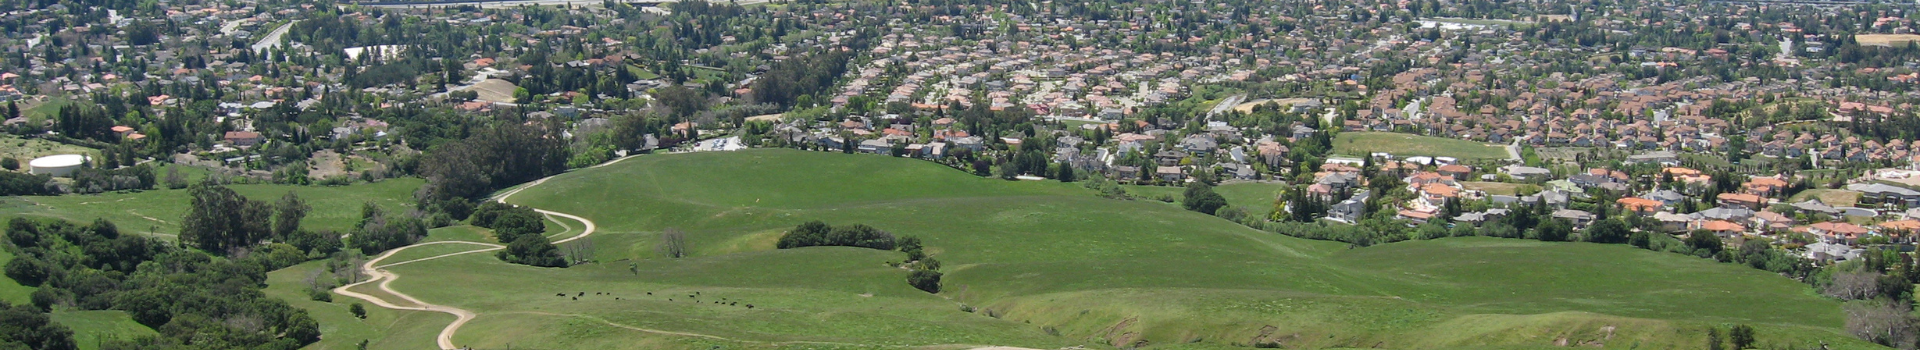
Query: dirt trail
x=378, y=273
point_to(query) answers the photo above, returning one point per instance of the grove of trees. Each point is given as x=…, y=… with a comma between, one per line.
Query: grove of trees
x=815, y=233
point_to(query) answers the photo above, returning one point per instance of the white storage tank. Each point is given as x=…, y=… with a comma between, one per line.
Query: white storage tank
x=56, y=165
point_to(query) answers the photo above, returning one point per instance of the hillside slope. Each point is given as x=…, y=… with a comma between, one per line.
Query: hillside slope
x=1045, y=264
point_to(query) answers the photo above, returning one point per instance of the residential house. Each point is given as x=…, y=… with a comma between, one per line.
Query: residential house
x=1641, y=205
x=1351, y=209
x=1579, y=218
x=1170, y=173
x=1526, y=173
x=244, y=138
x=1670, y=222
x=1884, y=194
x=1838, y=232
x=1741, y=200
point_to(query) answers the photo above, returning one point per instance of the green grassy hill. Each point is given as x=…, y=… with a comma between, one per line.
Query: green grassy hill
x=159, y=211
x=1047, y=265
x=90, y=328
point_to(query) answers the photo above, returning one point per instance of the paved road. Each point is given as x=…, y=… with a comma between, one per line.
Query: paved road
x=272, y=39
x=1513, y=151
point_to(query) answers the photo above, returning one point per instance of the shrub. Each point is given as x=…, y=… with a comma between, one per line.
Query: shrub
x=925, y=280
x=320, y=295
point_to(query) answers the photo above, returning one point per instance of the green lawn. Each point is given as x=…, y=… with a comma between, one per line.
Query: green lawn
x=1361, y=144
x=90, y=328
x=45, y=110
x=159, y=211
x=1039, y=259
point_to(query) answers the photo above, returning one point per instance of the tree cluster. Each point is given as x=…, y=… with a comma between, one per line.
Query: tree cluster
x=509, y=222
x=379, y=231
x=524, y=232
x=222, y=221
x=194, y=300
x=1201, y=198
x=491, y=159
x=816, y=234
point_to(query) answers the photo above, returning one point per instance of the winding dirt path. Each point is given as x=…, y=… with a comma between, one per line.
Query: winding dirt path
x=378, y=272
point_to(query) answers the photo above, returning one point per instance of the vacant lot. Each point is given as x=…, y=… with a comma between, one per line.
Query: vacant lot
x=1500, y=188
x=1401, y=145
x=1886, y=39
x=1838, y=198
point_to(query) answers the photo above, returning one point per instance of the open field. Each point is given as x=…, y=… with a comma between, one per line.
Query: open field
x=1283, y=103
x=92, y=327
x=46, y=109
x=1401, y=145
x=1257, y=198
x=1885, y=39
x=159, y=211
x=24, y=150
x=1048, y=265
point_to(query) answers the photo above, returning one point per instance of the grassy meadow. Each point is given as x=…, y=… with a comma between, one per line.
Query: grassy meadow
x=90, y=328
x=1041, y=265
x=1361, y=144
x=159, y=211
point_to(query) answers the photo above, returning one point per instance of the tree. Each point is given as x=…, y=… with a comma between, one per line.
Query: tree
x=911, y=246
x=1554, y=230
x=1713, y=339
x=219, y=220
x=1608, y=231
x=1641, y=239
x=22, y=327
x=1066, y=173
x=925, y=280
x=1705, y=243
x=1885, y=323
x=532, y=250
x=521, y=95
x=1741, y=336
x=174, y=179
x=673, y=244
x=490, y=159
x=288, y=213
x=1201, y=198
x=680, y=101
x=10, y=164
x=358, y=311
x=379, y=232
